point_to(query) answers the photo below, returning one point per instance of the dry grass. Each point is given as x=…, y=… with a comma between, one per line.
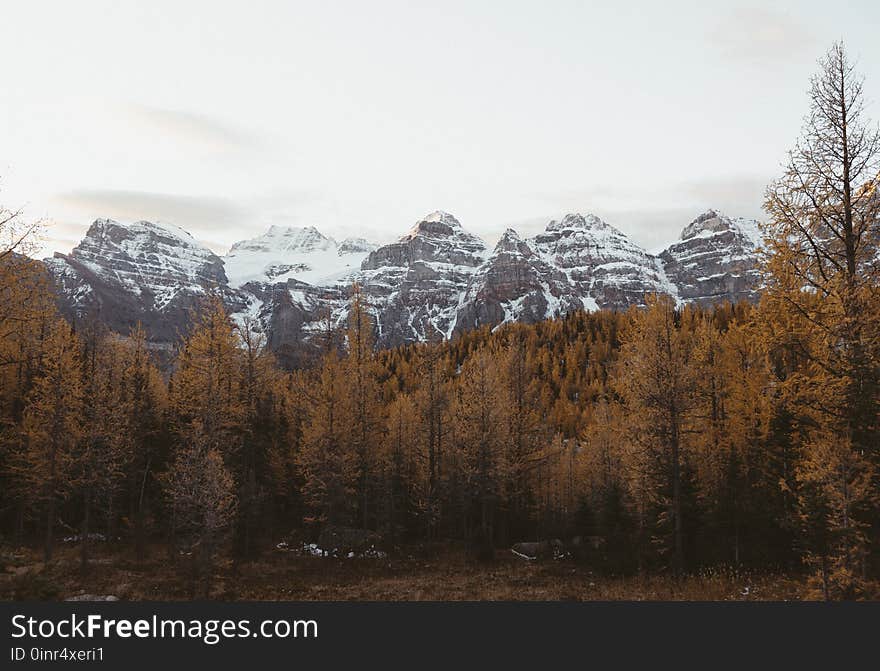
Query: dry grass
x=444, y=575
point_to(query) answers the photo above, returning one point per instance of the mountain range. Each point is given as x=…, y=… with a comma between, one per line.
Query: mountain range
x=435, y=281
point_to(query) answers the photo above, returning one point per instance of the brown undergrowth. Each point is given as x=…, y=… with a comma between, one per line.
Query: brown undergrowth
x=443, y=574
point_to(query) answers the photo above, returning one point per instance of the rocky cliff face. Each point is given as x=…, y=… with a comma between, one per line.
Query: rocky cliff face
x=435, y=281
x=577, y=263
x=714, y=260
x=147, y=273
x=514, y=284
x=602, y=266
x=414, y=285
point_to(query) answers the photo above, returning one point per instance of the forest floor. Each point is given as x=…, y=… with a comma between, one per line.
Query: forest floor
x=446, y=574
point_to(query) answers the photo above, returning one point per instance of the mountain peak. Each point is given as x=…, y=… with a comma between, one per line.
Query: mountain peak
x=576, y=220
x=159, y=263
x=288, y=252
x=442, y=217
x=285, y=238
x=714, y=259
x=712, y=222
x=437, y=224
x=115, y=230
x=276, y=230
x=708, y=214
x=708, y=223
x=510, y=245
x=508, y=242
x=103, y=222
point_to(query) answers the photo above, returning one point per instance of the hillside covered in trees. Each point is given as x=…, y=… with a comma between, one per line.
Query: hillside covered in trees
x=678, y=438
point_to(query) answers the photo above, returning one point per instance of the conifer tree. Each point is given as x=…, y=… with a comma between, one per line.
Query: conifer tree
x=286, y=450
x=206, y=387
x=328, y=469
x=836, y=490
x=519, y=403
x=405, y=485
x=431, y=397
x=208, y=413
x=481, y=436
x=53, y=425
x=601, y=478
x=201, y=494
x=822, y=298
x=656, y=382
x=142, y=399
x=262, y=428
x=27, y=315
x=363, y=414
x=97, y=468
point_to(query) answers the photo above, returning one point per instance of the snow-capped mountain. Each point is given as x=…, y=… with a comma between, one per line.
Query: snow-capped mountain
x=143, y=272
x=415, y=284
x=601, y=265
x=435, y=281
x=715, y=259
x=304, y=254
x=148, y=258
x=579, y=262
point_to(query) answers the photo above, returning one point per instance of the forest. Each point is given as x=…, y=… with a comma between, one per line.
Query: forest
x=679, y=438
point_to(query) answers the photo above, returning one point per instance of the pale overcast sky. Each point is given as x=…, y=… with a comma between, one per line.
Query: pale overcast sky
x=360, y=117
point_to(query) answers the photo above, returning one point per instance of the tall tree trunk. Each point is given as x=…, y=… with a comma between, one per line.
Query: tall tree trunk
x=139, y=522
x=50, y=529
x=84, y=533
x=678, y=544
x=50, y=513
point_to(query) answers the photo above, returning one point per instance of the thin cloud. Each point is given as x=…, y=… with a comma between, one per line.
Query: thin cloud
x=738, y=196
x=593, y=195
x=199, y=130
x=59, y=236
x=757, y=35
